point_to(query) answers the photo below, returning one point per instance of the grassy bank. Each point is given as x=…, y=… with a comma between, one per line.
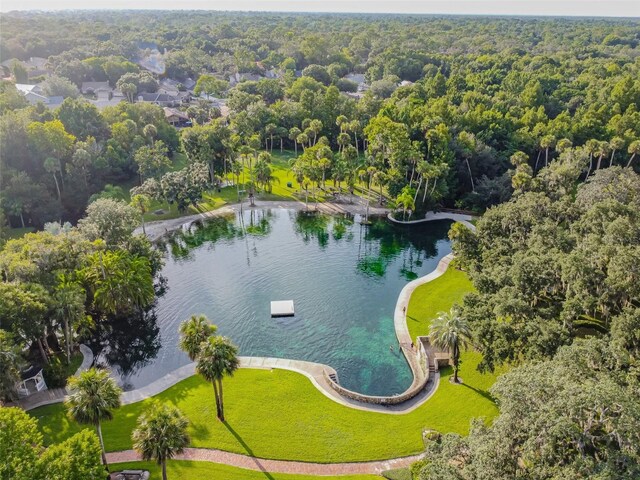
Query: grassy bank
x=436, y=296
x=280, y=414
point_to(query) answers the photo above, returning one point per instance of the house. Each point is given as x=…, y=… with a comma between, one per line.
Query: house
x=35, y=66
x=176, y=117
x=102, y=102
x=170, y=84
x=359, y=79
x=244, y=77
x=25, y=88
x=173, y=88
x=10, y=62
x=406, y=83
x=162, y=99
x=54, y=102
x=93, y=88
x=34, y=94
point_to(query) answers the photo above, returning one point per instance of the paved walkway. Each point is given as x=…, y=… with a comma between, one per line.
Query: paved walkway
x=56, y=395
x=432, y=216
x=276, y=466
x=313, y=371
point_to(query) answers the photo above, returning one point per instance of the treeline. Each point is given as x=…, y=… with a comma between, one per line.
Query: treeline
x=58, y=285
x=53, y=162
x=475, y=92
x=558, y=300
x=224, y=43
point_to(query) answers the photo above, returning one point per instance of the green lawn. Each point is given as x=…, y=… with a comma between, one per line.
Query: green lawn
x=280, y=414
x=190, y=470
x=12, y=233
x=280, y=190
x=433, y=297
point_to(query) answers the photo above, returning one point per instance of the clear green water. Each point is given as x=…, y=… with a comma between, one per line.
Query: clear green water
x=343, y=277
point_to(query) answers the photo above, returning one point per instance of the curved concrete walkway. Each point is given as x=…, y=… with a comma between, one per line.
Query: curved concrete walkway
x=433, y=216
x=315, y=371
x=276, y=466
x=56, y=395
x=156, y=229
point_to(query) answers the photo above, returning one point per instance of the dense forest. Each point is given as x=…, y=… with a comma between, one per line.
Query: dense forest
x=533, y=123
x=442, y=106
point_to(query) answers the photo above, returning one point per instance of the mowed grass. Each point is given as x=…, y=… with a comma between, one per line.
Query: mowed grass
x=191, y=470
x=280, y=414
x=13, y=233
x=436, y=296
x=279, y=190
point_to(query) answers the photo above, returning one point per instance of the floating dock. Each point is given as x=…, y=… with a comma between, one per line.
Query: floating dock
x=282, y=308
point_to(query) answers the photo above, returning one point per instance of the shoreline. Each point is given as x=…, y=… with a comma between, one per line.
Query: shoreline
x=317, y=373
x=158, y=228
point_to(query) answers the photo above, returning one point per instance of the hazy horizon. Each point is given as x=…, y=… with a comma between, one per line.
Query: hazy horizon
x=571, y=8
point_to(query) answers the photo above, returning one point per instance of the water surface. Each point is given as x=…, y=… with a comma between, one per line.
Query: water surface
x=344, y=279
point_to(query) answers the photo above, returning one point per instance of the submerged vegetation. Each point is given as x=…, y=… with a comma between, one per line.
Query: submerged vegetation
x=532, y=122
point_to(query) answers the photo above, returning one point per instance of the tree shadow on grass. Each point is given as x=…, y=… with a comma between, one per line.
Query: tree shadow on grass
x=483, y=393
x=180, y=391
x=248, y=449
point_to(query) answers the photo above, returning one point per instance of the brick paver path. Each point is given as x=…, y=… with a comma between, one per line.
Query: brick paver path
x=276, y=466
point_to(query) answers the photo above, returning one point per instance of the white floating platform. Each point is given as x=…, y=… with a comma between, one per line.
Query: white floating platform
x=282, y=308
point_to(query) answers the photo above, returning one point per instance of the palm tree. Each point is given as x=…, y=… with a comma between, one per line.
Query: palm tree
x=405, y=199
x=194, y=332
x=341, y=121
x=316, y=127
x=217, y=358
x=93, y=395
x=302, y=139
x=468, y=146
x=563, y=144
x=354, y=126
x=616, y=144
x=161, y=434
x=141, y=202
x=450, y=332
x=547, y=142
x=52, y=165
x=601, y=150
x=150, y=132
x=270, y=129
x=293, y=135
x=69, y=299
x=634, y=149
x=119, y=281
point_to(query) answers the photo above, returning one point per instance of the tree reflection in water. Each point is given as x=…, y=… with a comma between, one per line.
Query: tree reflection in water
x=126, y=344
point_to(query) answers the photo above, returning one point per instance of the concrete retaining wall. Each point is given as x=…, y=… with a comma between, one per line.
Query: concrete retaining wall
x=420, y=380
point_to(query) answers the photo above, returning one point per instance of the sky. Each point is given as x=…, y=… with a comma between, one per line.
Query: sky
x=598, y=8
